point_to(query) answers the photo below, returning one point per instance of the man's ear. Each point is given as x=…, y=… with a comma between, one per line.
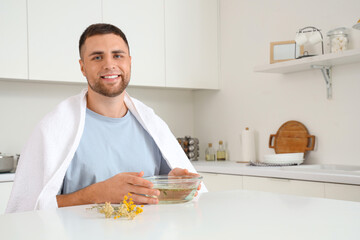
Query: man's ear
x=82, y=67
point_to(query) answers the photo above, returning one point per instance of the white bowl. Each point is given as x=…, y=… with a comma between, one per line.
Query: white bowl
x=284, y=158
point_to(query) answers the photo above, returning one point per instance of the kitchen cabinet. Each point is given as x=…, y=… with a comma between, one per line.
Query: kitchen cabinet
x=5, y=190
x=221, y=182
x=54, y=30
x=341, y=185
x=173, y=43
x=13, y=40
x=143, y=23
x=342, y=192
x=284, y=186
x=191, y=39
x=167, y=48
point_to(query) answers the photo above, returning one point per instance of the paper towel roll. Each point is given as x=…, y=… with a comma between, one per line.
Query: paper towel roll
x=248, y=145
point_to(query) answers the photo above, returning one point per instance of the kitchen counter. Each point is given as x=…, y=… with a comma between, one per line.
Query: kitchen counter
x=7, y=177
x=293, y=172
x=237, y=214
x=243, y=169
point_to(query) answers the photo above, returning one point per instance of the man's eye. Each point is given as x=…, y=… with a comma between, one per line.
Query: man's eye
x=117, y=56
x=96, y=58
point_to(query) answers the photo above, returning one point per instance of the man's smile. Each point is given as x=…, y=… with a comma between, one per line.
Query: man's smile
x=110, y=77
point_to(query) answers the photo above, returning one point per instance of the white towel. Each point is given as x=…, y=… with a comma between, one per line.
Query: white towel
x=51, y=147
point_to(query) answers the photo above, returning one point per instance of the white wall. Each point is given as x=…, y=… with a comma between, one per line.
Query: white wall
x=23, y=104
x=264, y=101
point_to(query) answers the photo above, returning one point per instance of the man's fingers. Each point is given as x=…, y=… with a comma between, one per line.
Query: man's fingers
x=193, y=174
x=144, y=191
x=135, y=180
x=181, y=172
x=138, y=174
x=139, y=199
x=176, y=171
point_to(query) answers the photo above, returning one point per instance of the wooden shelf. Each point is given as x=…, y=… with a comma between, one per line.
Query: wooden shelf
x=304, y=64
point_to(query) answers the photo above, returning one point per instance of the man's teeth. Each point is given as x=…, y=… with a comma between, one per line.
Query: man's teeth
x=112, y=76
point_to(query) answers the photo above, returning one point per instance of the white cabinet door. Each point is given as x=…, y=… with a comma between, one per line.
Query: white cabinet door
x=13, y=39
x=54, y=31
x=342, y=192
x=5, y=190
x=191, y=38
x=221, y=182
x=142, y=21
x=285, y=186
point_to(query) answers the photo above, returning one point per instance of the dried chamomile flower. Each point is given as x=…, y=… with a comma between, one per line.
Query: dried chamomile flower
x=127, y=209
x=107, y=209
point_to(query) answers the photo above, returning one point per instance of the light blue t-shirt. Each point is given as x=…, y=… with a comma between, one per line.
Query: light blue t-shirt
x=110, y=146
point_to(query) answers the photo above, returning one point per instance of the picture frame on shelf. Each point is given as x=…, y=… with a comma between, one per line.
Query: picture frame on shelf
x=284, y=51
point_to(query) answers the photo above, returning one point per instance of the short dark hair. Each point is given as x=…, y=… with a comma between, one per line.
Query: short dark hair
x=100, y=29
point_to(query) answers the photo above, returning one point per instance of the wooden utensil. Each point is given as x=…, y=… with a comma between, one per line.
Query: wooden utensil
x=292, y=137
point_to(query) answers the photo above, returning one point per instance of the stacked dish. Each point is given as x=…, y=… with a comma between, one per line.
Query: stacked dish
x=284, y=158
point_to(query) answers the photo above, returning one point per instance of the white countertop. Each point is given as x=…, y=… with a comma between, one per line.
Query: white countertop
x=293, y=172
x=7, y=177
x=237, y=214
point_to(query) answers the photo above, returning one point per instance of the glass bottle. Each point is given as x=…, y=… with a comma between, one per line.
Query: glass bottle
x=221, y=152
x=210, y=153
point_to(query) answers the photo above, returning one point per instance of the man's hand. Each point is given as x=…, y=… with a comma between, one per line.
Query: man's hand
x=113, y=190
x=182, y=172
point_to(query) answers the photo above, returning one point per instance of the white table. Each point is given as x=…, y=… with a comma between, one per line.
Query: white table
x=225, y=215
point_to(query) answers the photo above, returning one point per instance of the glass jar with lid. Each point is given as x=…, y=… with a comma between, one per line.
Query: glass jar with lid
x=339, y=39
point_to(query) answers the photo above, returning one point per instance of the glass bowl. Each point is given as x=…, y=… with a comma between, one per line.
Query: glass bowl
x=175, y=189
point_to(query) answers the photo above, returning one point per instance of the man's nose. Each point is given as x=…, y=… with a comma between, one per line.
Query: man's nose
x=109, y=63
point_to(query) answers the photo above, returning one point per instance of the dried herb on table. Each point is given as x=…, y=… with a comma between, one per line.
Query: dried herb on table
x=126, y=209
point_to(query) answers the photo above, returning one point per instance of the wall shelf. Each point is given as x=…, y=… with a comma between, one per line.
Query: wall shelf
x=331, y=59
x=323, y=62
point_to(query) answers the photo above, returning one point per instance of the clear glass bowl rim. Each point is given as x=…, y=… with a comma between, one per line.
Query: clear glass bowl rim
x=173, y=179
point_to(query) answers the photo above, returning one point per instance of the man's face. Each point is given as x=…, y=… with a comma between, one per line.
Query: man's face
x=106, y=64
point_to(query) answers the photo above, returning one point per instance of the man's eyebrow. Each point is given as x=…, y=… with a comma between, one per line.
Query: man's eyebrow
x=96, y=53
x=101, y=52
x=118, y=51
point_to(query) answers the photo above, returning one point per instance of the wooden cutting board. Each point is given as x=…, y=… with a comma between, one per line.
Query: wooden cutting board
x=292, y=137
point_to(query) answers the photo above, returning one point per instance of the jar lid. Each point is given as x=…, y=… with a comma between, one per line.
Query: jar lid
x=336, y=31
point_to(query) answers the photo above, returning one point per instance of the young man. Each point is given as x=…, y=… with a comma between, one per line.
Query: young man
x=97, y=146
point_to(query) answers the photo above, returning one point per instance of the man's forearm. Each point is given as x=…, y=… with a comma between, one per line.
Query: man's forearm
x=84, y=196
